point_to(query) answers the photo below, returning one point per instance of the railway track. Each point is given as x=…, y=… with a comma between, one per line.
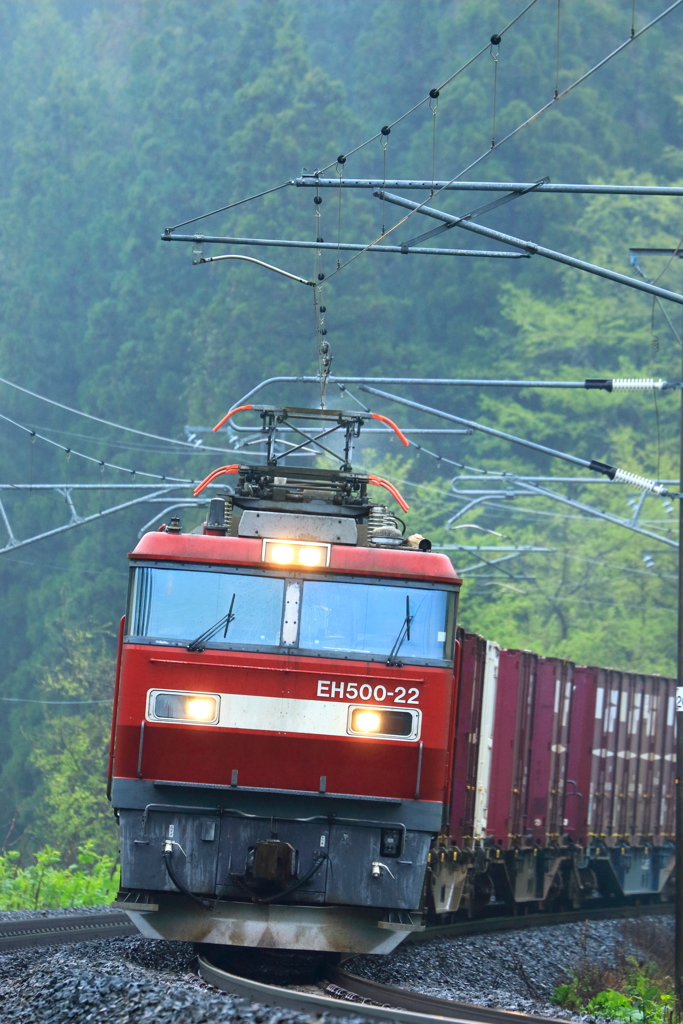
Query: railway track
x=347, y=994
x=49, y=931
x=386, y=1003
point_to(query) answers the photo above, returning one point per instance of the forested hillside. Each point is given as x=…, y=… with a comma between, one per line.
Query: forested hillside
x=118, y=119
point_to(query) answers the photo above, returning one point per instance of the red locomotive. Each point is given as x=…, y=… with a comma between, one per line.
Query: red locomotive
x=301, y=759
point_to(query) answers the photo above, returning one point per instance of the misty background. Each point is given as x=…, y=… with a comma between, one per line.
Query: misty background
x=119, y=119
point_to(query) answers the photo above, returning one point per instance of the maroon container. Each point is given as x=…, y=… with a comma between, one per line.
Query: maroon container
x=580, y=753
x=550, y=740
x=664, y=825
x=467, y=738
x=649, y=782
x=603, y=755
x=508, y=798
x=639, y=809
x=622, y=756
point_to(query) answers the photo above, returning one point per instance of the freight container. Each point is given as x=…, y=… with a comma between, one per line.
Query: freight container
x=467, y=737
x=550, y=740
x=507, y=816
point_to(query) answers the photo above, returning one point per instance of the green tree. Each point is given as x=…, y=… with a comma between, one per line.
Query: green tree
x=72, y=750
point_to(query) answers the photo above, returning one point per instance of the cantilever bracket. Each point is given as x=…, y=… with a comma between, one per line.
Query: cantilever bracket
x=474, y=213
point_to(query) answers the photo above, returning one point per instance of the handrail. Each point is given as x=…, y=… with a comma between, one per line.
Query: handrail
x=378, y=481
x=385, y=419
x=240, y=408
x=212, y=476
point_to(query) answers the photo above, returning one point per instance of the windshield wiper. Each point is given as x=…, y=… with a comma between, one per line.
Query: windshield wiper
x=404, y=634
x=199, y=643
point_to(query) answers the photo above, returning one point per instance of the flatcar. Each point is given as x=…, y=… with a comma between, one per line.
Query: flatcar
x=307, y=754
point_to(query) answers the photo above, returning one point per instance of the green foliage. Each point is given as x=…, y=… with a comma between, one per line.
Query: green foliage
x=643, y=997
x=72, y=752
x=91, y=881
x=118, y=119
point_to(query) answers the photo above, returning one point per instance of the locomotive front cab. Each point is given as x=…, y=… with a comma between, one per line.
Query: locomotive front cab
x=281, y=746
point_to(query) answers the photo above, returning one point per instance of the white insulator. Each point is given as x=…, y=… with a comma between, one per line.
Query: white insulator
x=633, y=480
x=637, y=384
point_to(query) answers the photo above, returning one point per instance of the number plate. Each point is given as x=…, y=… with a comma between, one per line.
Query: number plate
x=377, y=693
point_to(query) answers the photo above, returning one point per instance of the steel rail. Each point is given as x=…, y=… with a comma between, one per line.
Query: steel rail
x=399, y=1004
x=308, y=1002
x=428, y=1007
x=48, y=931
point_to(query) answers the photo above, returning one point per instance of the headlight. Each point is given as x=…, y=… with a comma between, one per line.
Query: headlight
x=283, y=554
x=385, y=722
x=310, y=555
x=201, y=708
x=366, y=721
x=183, y=707
x=296, y=553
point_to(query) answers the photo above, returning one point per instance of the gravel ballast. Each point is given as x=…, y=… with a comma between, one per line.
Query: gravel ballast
x=140, y=981
x=32, y=915
x=120, y=981
x=515, y=970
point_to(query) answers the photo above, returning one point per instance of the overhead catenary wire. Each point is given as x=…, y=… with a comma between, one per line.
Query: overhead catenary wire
x=494, y=505
x=130, y=446
x=431, y=94
x=342, y=158
x=13, y=543
x=90, y=458
x=528, y=488
x=230, y=206
x=565, y=92
x=109, y=423
x=494, y=502
x=495, y=146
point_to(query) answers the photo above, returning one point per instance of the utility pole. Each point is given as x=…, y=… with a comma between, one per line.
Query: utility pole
x=678, y=961
x=678, y=935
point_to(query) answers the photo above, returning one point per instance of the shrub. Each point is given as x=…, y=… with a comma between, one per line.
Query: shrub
x=636, y=988
x=640, y=1001
x=92, y=880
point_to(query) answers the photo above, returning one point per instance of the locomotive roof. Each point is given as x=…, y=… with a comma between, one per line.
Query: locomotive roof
x=247, y=551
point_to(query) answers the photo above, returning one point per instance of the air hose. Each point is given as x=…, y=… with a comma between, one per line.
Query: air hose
x=168, y=861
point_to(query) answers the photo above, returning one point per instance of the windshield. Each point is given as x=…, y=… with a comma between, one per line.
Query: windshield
x=192, y=608
x=180, y=604
x=366, y=619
